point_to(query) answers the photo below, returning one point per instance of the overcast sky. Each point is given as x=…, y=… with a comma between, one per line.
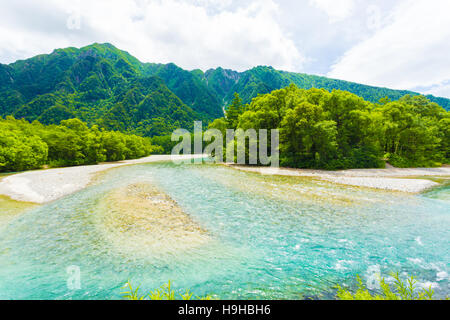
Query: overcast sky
x=401, y=44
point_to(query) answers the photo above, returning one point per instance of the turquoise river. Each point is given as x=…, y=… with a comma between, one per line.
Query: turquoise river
x=243, y=236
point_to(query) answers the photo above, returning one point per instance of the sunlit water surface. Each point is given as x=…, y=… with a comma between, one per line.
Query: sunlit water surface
x=267, y=238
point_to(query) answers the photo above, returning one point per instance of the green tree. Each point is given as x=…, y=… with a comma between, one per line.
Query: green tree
x=234, y=111
x=26, y=146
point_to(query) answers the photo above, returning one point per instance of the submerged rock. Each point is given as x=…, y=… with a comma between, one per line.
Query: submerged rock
x=139, y=218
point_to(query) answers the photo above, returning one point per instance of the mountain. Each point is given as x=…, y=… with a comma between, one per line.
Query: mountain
x=148, y=107
x=103, y=85
x=262, y=80
x=189, y=88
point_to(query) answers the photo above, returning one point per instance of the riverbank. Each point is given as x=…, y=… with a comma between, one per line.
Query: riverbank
x=43, y=186
x=215, y=229
x=410, y=180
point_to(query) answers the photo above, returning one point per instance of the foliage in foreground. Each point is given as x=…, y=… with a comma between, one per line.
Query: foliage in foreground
x=401, y=290
x=165, y=292
x=398, y=290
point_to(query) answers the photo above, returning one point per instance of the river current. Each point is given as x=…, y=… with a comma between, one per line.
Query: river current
x=250, y=236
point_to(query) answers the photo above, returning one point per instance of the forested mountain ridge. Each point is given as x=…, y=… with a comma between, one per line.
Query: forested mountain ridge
x=263, y=80
x=103, y=85
x=188, y=87
x=146, y=106
x=91, y=83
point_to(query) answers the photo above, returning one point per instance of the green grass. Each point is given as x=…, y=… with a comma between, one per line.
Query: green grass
x=165, y=292
x=399, y=290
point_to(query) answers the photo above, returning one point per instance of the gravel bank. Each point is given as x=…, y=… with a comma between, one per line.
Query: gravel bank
x=44, y=186
x=386, y=179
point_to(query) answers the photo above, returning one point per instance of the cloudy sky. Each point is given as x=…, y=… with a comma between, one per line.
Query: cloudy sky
x=401, y=44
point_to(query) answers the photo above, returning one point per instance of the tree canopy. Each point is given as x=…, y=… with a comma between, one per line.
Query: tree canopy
x=25, y=145
x=338, y=129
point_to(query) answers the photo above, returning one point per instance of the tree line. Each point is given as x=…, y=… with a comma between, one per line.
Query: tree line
x=25, y=145
x=339, y=130
x=318, y=129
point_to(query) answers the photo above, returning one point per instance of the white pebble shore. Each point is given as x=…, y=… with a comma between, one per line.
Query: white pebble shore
x=43, y=186
x=394, y=179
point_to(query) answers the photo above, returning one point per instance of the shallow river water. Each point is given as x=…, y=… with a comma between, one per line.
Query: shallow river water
x=251, y=237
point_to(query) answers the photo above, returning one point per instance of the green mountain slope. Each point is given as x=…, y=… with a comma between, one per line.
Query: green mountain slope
x=139, y=109
x=103, y=85
x=189, y=88
x=263, y=80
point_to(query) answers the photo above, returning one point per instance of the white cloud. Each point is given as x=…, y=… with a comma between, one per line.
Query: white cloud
x=440, y=90
x=402, y=44
x=336, y=10
x=187, y=33
x=412, y=51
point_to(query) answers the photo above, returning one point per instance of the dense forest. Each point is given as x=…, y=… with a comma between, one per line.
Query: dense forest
x=25, y=145
x=338, y=129
x=104, y=86
x=262, y=80
x=339, y=125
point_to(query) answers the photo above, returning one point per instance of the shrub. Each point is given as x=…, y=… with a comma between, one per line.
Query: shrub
x=25, y=145
x=165, y=292
x=402, y=290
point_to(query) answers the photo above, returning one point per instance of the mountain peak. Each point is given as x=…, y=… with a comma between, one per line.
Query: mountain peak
x=90, y=80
